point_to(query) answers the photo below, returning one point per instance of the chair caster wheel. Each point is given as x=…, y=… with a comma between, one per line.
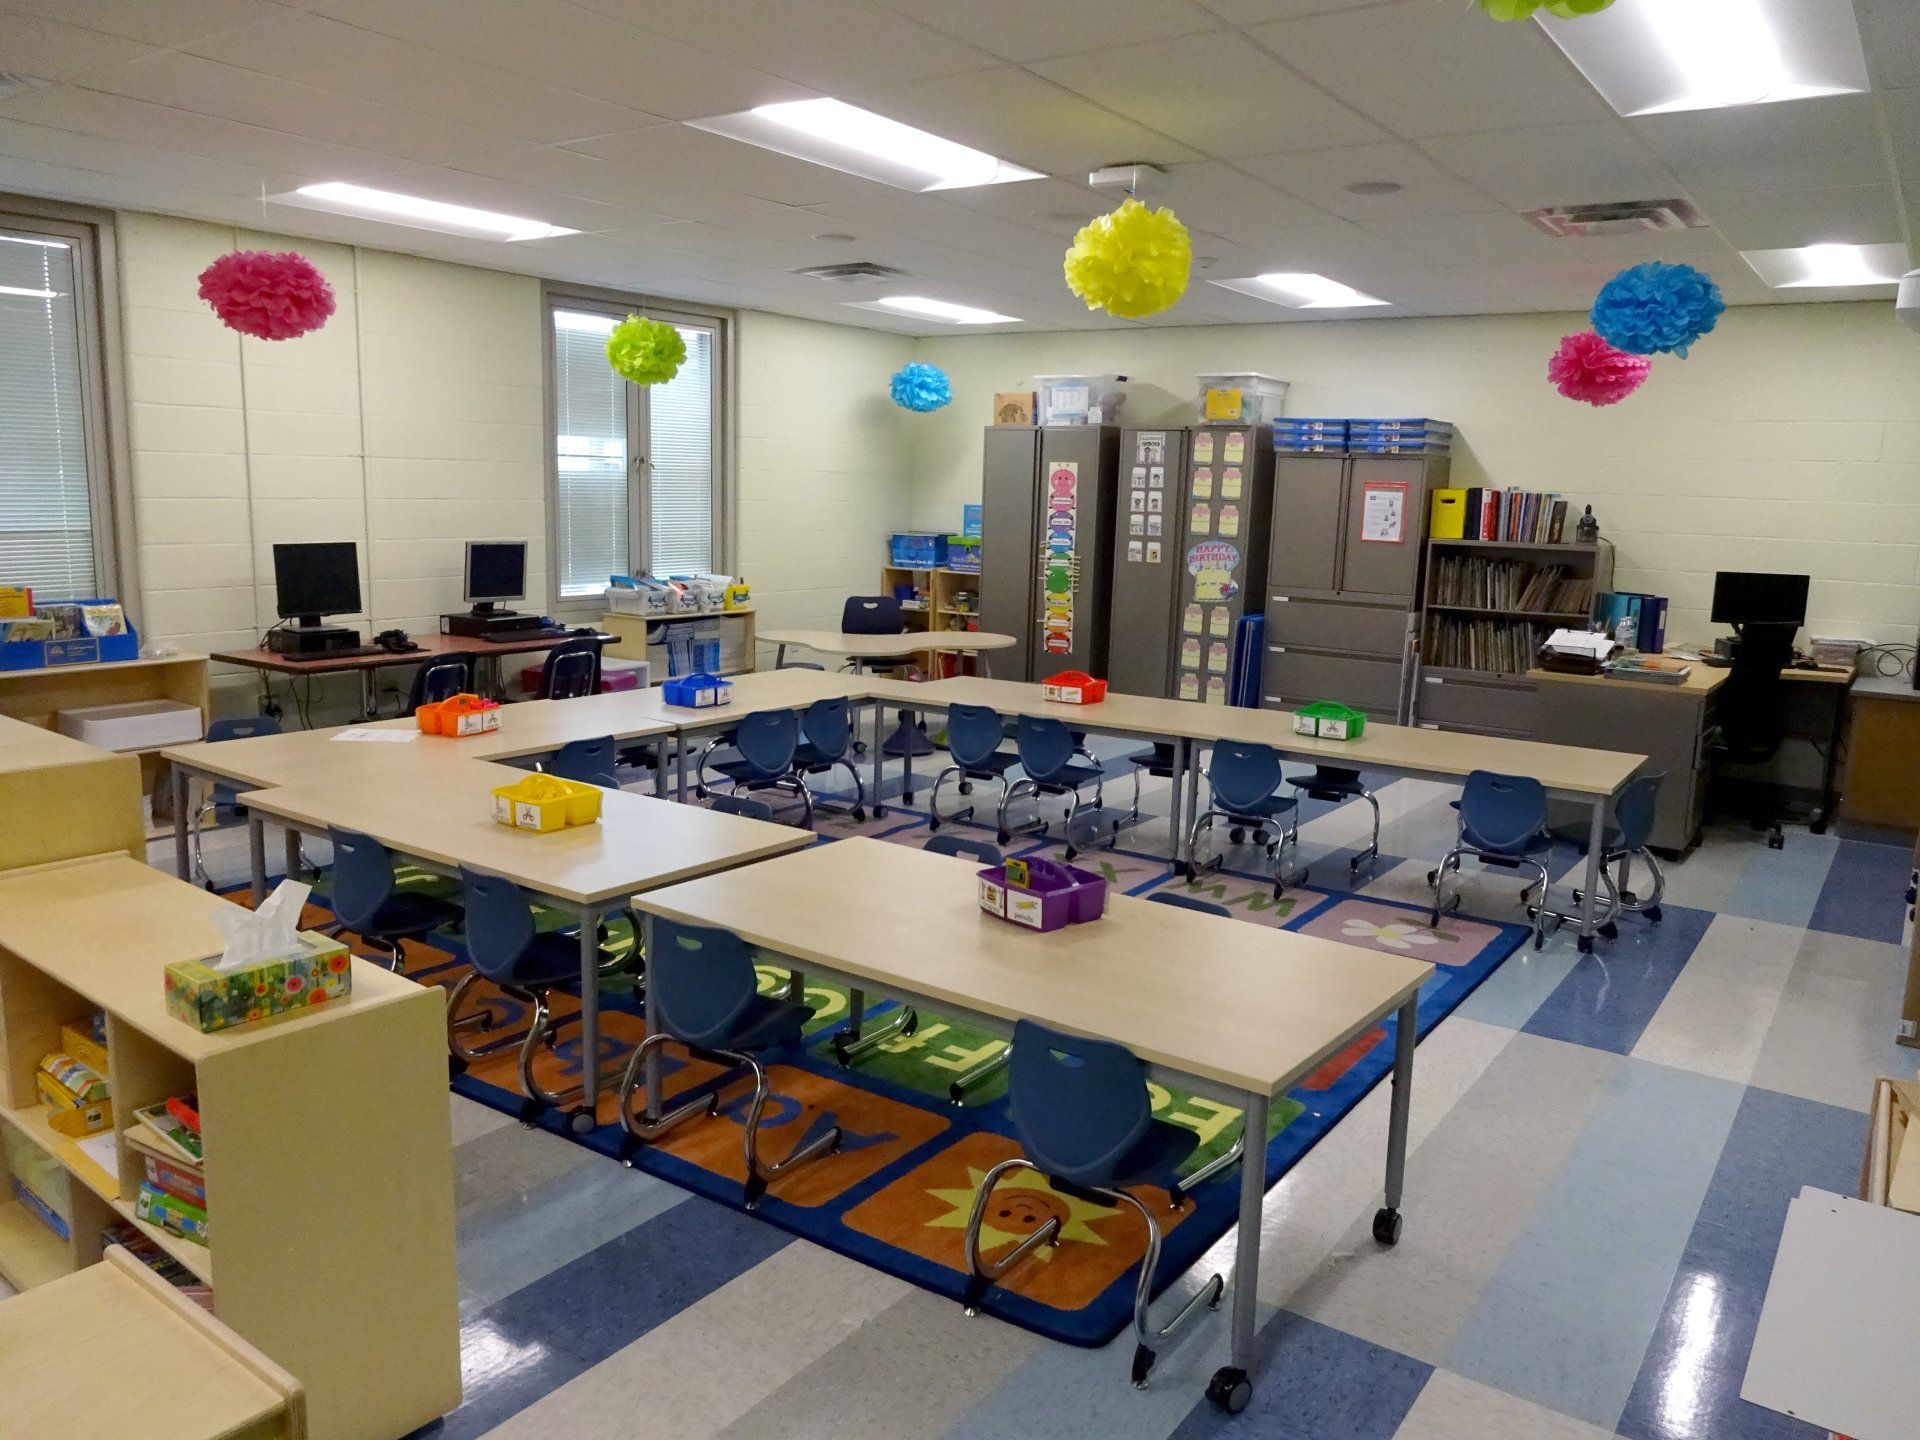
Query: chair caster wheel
x=933, y=823
x=879, y=812
x=908, y=797
x=1070, y=854
x=1386, y=1226
x=859, y=815
x=1230, y=1389
x=582, y=1122
x=1142, y=1366
x=966, y=787
x=1260, y=837
x=1431, y=875
x=700, y=792
x=1610, y=931
x=1653, y=914
x=1002, y=837
x=1776, y=842
x=1237, y=835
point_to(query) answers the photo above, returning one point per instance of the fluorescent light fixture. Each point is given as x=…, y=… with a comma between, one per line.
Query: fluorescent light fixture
x=1652, y=57
x=31, y=294
x=419, y=212
x=945, y=311
x=858, y=142
x=1302, y=290
x=1812, y=267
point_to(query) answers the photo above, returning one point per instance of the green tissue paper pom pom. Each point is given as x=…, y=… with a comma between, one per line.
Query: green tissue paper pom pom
x=1524, y=9
x=647, y=352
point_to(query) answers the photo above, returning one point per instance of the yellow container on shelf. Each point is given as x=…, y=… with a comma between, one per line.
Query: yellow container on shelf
x=1449, y=520
x=545, y=802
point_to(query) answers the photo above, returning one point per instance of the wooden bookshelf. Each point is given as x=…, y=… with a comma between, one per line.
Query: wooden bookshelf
x=329, y=1163
x=946, y=609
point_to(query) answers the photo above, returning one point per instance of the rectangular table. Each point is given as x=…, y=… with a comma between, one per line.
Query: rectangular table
x=1590, y=778
x=441, y=817
x=1234, y=1011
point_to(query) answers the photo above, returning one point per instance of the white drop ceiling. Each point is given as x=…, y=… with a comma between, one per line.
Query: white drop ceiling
x=1262, y=112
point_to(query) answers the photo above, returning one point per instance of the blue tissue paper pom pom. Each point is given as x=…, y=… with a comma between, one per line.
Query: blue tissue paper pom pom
x=921, y=387
x=1655, y=308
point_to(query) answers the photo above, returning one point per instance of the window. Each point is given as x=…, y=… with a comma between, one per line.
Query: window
x=54, y=513
x=637, y=468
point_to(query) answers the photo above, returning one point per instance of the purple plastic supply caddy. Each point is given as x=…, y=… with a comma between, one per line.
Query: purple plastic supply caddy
x=1056, y=895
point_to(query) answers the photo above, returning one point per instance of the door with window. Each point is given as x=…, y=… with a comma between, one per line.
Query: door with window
x=637, y=468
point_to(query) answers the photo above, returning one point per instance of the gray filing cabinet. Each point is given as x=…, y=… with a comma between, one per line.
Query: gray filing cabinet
x=1344, y=568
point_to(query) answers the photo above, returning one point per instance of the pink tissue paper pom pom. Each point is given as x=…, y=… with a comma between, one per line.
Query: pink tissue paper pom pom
x=267, y=295
x=1588, y=368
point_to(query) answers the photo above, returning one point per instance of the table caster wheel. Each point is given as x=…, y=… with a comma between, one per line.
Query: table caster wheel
x=582, y=1122
x=1386, y=1226
x=1230, y=1389
x=1652, y=912
x=879, y=812
x=1586, y=944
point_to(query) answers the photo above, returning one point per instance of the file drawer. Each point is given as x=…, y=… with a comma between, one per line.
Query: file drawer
x=1324, y=625
x=1476, y=705
x=1297, y=677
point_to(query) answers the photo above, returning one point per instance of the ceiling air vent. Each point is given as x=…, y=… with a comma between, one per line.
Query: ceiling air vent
x=1618, y=217
x=852, y=272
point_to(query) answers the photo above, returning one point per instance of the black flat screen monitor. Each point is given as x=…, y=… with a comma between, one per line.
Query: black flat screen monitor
x=316, y=579
x=496, y=570
x=1744, y=597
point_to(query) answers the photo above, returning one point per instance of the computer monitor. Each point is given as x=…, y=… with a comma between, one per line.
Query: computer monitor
x=1744, y=597
x=496, y=570
x=315, y=579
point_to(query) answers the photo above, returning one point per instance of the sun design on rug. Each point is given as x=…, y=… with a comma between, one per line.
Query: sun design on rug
x=1022, y=1203
x=1395, y=935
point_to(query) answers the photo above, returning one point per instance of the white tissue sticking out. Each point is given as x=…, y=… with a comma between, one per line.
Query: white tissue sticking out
x=268, y=933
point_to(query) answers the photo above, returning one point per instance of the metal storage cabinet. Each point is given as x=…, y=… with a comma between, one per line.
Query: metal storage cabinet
x=1340, y=607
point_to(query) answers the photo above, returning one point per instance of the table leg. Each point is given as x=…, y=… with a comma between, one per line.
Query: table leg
x=780, y=656
x=182, y=782
x=879, y=757
x=1836, y=737
x=660, y=764
x=257, y=856
x=1246, y=1261
x=369, y=694
x=680, y=766
x=291, y=838
x=1596, y=839
x=1181, y=851
x=985, y=657
x=650, y=1067
x=1386, y=1224
x=589, y=1008
x=909, y=722
x=1176, y=807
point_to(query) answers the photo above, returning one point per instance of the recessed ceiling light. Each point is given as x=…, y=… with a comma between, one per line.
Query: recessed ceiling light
x=858, y=142
x=929, y=309
x=31, y=294
x=1374, y=187
x=419, y=212
x=1812, y=267
x=1302, y=290
x=1651, y=57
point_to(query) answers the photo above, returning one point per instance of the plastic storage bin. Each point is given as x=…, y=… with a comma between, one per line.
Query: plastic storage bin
x=697, y=692
x=1330, y=720
x=917, y=549
x=458, y=716
x=136, y=725
x=1073, y=687
x=1246, y=396
x=545, y=803
x=1080, y=399
x=1042, y=894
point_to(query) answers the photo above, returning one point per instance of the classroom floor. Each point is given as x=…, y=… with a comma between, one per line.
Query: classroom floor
x=1603, y=1149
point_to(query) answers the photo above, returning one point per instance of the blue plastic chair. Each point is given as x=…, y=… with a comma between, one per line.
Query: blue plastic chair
x=769, y=746
x=527, y=964
x=741, y=805
x=367, y=900
x=572, y=669
x=1054, y=764
x=1190, y=902
x=1085, y=1121
x=1335, y=785
x=590, y=762
x=826, y=741
x=1503, y=823
x=439, y=678
x=979, y=851
x=1245, y=780
x=704, y=995
x=1623, y=841
x=223, y=799
x=974, y=733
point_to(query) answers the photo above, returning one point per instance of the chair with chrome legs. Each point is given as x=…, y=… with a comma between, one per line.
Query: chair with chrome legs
x=528, y=965
x=826, y=742
x=223, y=798
x=704, y=996
x=974, y=733
x=1245, y=781
x=367, y=900
x=571, y=669
x=1334, y=785
x=1503, y=823
x=1622, y=842
x=768, y=742
x=1085, y=1122
x=590, y=762
x=1055, y=764
x=439, y=679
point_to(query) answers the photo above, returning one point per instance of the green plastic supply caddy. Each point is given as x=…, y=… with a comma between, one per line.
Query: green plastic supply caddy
x=1329, y=720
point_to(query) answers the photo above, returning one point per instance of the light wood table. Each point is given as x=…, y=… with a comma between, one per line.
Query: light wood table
x=442, y=818
x=888, y=647
x=176, y=1372
x=1235, y=1011
x=1589, y=778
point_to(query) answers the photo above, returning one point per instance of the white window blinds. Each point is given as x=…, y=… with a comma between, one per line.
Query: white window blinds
x=46, y=509
x=682, y=453
x=590, y=448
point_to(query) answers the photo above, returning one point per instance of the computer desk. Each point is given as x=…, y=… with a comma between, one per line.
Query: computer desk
x=1233, y=1011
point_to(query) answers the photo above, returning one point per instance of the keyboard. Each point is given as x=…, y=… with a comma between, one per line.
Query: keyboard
x=515, y=637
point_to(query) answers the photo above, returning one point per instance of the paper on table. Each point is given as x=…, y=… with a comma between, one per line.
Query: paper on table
x=379, y=737
x=1591, y=643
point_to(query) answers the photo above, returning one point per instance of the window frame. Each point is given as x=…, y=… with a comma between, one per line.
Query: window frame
x=96, y=302
x=618, y=305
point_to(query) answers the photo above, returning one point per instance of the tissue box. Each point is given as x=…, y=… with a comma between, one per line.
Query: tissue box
x=208, y=999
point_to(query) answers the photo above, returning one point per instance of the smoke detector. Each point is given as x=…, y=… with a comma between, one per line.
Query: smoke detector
x=851, y=272
x=1616, y=217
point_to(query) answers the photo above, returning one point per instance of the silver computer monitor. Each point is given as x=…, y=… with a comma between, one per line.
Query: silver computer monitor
x=496, y=570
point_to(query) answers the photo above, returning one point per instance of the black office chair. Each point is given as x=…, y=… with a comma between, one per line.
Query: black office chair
x=572, y=669
x=436, y=679
x=1748, y=709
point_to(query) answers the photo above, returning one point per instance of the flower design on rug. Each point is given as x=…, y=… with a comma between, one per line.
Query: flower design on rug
x=1395, y=935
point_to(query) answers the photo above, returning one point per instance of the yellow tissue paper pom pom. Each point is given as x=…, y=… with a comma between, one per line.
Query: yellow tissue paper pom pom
x=1131, y=262
x=647, y=352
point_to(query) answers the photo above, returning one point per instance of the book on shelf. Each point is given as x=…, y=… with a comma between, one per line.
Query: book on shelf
x=165, y=1135
x=1515, y=516
x=1479, y=583
x=1494, y=646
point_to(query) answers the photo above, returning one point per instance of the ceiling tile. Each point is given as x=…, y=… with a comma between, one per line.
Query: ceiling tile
x=486, y=192
x=695, y=155
x=174, y=23
x=1055, y=207
x=1778, y=219
x=656, y=196
x=126, y=157
x=1023, y=31
x=48, y=50
x=1322, y=176
x=346, y=60
x=1808, y=144
x=1422, y=68
x=575, y=49
x=1255, y=12
x=1556, y=164
x=1033, y=122
x=1890, y=35
x=1215, y=92
x=1491, y=238
x=1212, y=196
x=1335, y=249
x=926, y=217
